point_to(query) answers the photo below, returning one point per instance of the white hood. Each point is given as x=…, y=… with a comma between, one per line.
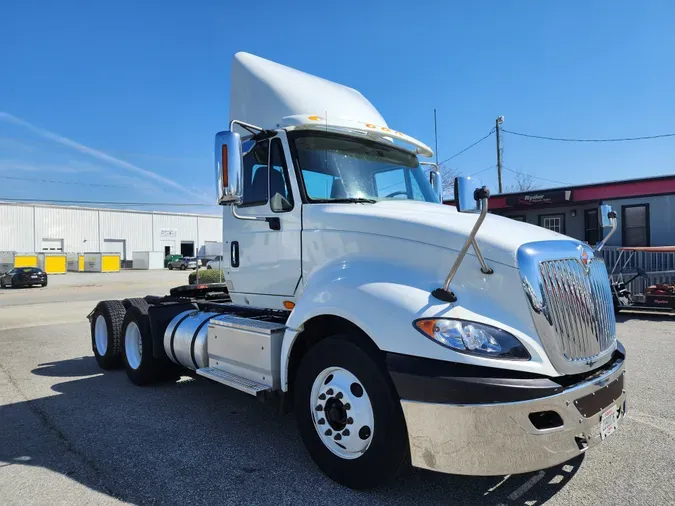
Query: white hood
x=499, y=238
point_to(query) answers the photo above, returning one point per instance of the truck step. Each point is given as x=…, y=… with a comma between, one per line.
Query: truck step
x=232, y=380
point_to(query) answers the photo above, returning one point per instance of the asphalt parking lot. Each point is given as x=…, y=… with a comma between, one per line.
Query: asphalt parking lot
x=70, y=434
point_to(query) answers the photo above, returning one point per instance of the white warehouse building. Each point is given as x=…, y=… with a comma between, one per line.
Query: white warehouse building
x=68, y=229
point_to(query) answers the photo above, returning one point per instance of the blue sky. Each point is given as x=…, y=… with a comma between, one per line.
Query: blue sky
x=121, y=99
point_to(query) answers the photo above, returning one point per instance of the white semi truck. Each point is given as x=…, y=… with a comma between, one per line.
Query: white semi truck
x=398, y=329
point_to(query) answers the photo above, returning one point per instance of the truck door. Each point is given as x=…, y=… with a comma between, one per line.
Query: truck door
x=264, y=256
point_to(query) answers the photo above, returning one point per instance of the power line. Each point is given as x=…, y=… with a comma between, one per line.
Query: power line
x=536, y=177
x=80, y=183
x=564, y=139
x=468, y=147
x=482, y=170
x=102, y=202
x=35, y=180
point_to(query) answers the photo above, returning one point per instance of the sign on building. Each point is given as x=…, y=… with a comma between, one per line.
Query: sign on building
x=168, y=233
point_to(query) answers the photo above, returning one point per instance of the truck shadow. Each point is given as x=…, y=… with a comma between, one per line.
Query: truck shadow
x=193, y=441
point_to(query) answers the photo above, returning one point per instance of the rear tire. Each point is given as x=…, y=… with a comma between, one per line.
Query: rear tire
x=208, y=267
x=170, y=267
x=136, y=302
x=141, y=366
x=182, y=267
x=106, y=327
x=374, y=447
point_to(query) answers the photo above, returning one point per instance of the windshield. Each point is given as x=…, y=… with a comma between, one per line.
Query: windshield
x=341, y=168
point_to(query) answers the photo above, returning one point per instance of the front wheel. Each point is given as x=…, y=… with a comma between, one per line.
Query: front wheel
x=349, y=415
x=183, y=267
x=170, y=267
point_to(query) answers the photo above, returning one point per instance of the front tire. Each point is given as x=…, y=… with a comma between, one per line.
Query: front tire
x=349, y=415
x=170, y=267
x=106, y=327
x=141, y=366
x=182, y=267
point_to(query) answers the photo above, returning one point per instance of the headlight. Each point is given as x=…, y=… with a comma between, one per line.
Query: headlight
x=472, y=338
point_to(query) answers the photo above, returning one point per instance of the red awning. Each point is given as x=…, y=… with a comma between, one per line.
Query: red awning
x=651, y=249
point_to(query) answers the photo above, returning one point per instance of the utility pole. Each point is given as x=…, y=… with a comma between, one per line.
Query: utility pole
x=498, y=122
x=436, y=137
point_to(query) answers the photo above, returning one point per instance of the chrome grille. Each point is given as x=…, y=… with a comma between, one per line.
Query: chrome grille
x=579, y=306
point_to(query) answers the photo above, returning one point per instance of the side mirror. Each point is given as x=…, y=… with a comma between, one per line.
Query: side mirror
x=229, y=162
x=435, y=179
x=469, y=194
x=607, y=219
x=606, y=216
x=437, y=184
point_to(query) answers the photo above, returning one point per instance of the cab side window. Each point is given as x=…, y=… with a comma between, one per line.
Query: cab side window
x=280, y=191
x=255, y=175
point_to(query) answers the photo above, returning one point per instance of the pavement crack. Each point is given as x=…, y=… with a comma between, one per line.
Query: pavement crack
x=51, y=426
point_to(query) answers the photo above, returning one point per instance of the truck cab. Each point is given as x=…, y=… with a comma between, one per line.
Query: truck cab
x=398, y=329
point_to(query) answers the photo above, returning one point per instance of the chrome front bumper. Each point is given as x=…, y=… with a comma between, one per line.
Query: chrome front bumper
x=497, y=439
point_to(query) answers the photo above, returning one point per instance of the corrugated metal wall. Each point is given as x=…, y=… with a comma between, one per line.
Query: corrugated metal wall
x=133, y=228
x=23, y=228
x=16, y=228
x=77, y=228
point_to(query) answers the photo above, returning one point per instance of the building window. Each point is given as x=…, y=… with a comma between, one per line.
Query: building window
x=591, y=226
x=635, y=225
x=520, y=217
x=554, y=222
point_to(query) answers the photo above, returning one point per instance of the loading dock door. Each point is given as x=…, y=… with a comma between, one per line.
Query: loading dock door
x=187, y=248
x=52, y=245
x=116, y=246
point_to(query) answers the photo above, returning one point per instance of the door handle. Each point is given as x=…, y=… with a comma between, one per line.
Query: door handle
x=234, y=254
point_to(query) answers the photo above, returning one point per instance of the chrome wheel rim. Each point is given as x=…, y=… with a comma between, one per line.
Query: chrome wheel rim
x=101, y=335
x=133, y=345
x=342, y=413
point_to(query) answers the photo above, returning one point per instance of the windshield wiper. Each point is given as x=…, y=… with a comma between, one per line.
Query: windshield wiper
x=349, y=200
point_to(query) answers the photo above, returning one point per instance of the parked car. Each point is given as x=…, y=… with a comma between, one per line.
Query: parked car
x=216, y=263
x=23, y=276
x=171, y=258
x=183, y=263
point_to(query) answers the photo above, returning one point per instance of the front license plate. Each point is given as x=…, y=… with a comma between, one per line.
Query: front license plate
x=608, y=422
x=34, y=277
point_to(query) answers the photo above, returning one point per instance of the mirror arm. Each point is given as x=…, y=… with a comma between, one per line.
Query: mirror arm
x=445, y=294
x=246, y=126
x=247, y=218
x=612, y=216
x=483, y=266
x=273, y=221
